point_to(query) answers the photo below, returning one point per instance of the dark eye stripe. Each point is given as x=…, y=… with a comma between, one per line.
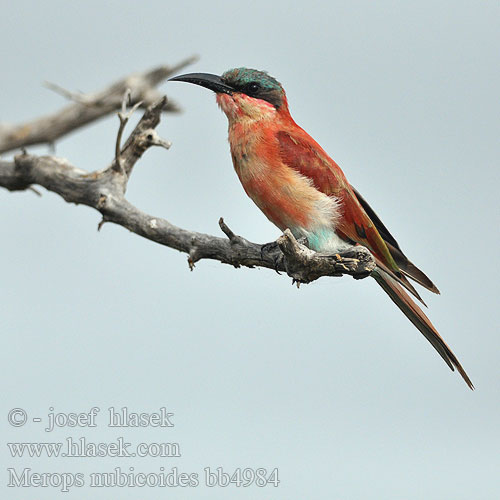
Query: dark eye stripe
x=269, y=91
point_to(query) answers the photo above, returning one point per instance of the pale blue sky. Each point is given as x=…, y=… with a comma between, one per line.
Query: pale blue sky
x=329, y=383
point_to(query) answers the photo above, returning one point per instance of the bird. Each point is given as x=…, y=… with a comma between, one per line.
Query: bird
x=297, y=186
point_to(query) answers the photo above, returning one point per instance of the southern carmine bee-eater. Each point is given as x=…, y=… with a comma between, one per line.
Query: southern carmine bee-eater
x=298, y=186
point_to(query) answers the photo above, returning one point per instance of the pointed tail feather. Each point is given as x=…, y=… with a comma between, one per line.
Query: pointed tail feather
x=410, y=269
x=419, y=319
x=401, y=279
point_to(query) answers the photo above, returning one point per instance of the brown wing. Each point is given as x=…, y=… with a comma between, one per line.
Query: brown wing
x=300, y=152
x=308, y=158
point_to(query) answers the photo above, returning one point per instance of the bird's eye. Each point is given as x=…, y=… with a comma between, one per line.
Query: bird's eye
x=253, y=87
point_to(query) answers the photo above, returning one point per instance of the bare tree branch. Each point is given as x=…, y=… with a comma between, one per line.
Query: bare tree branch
x=104, y=190
x=87, y=108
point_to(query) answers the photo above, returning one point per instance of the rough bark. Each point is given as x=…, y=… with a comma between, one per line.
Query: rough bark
x=86, y=108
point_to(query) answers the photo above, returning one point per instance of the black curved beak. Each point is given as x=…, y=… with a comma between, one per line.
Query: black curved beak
x=212, y=82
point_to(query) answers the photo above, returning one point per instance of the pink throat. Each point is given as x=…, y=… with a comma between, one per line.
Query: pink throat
x=238, y=105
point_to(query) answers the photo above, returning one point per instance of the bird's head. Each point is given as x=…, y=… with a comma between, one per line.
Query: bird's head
x=243, y=93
